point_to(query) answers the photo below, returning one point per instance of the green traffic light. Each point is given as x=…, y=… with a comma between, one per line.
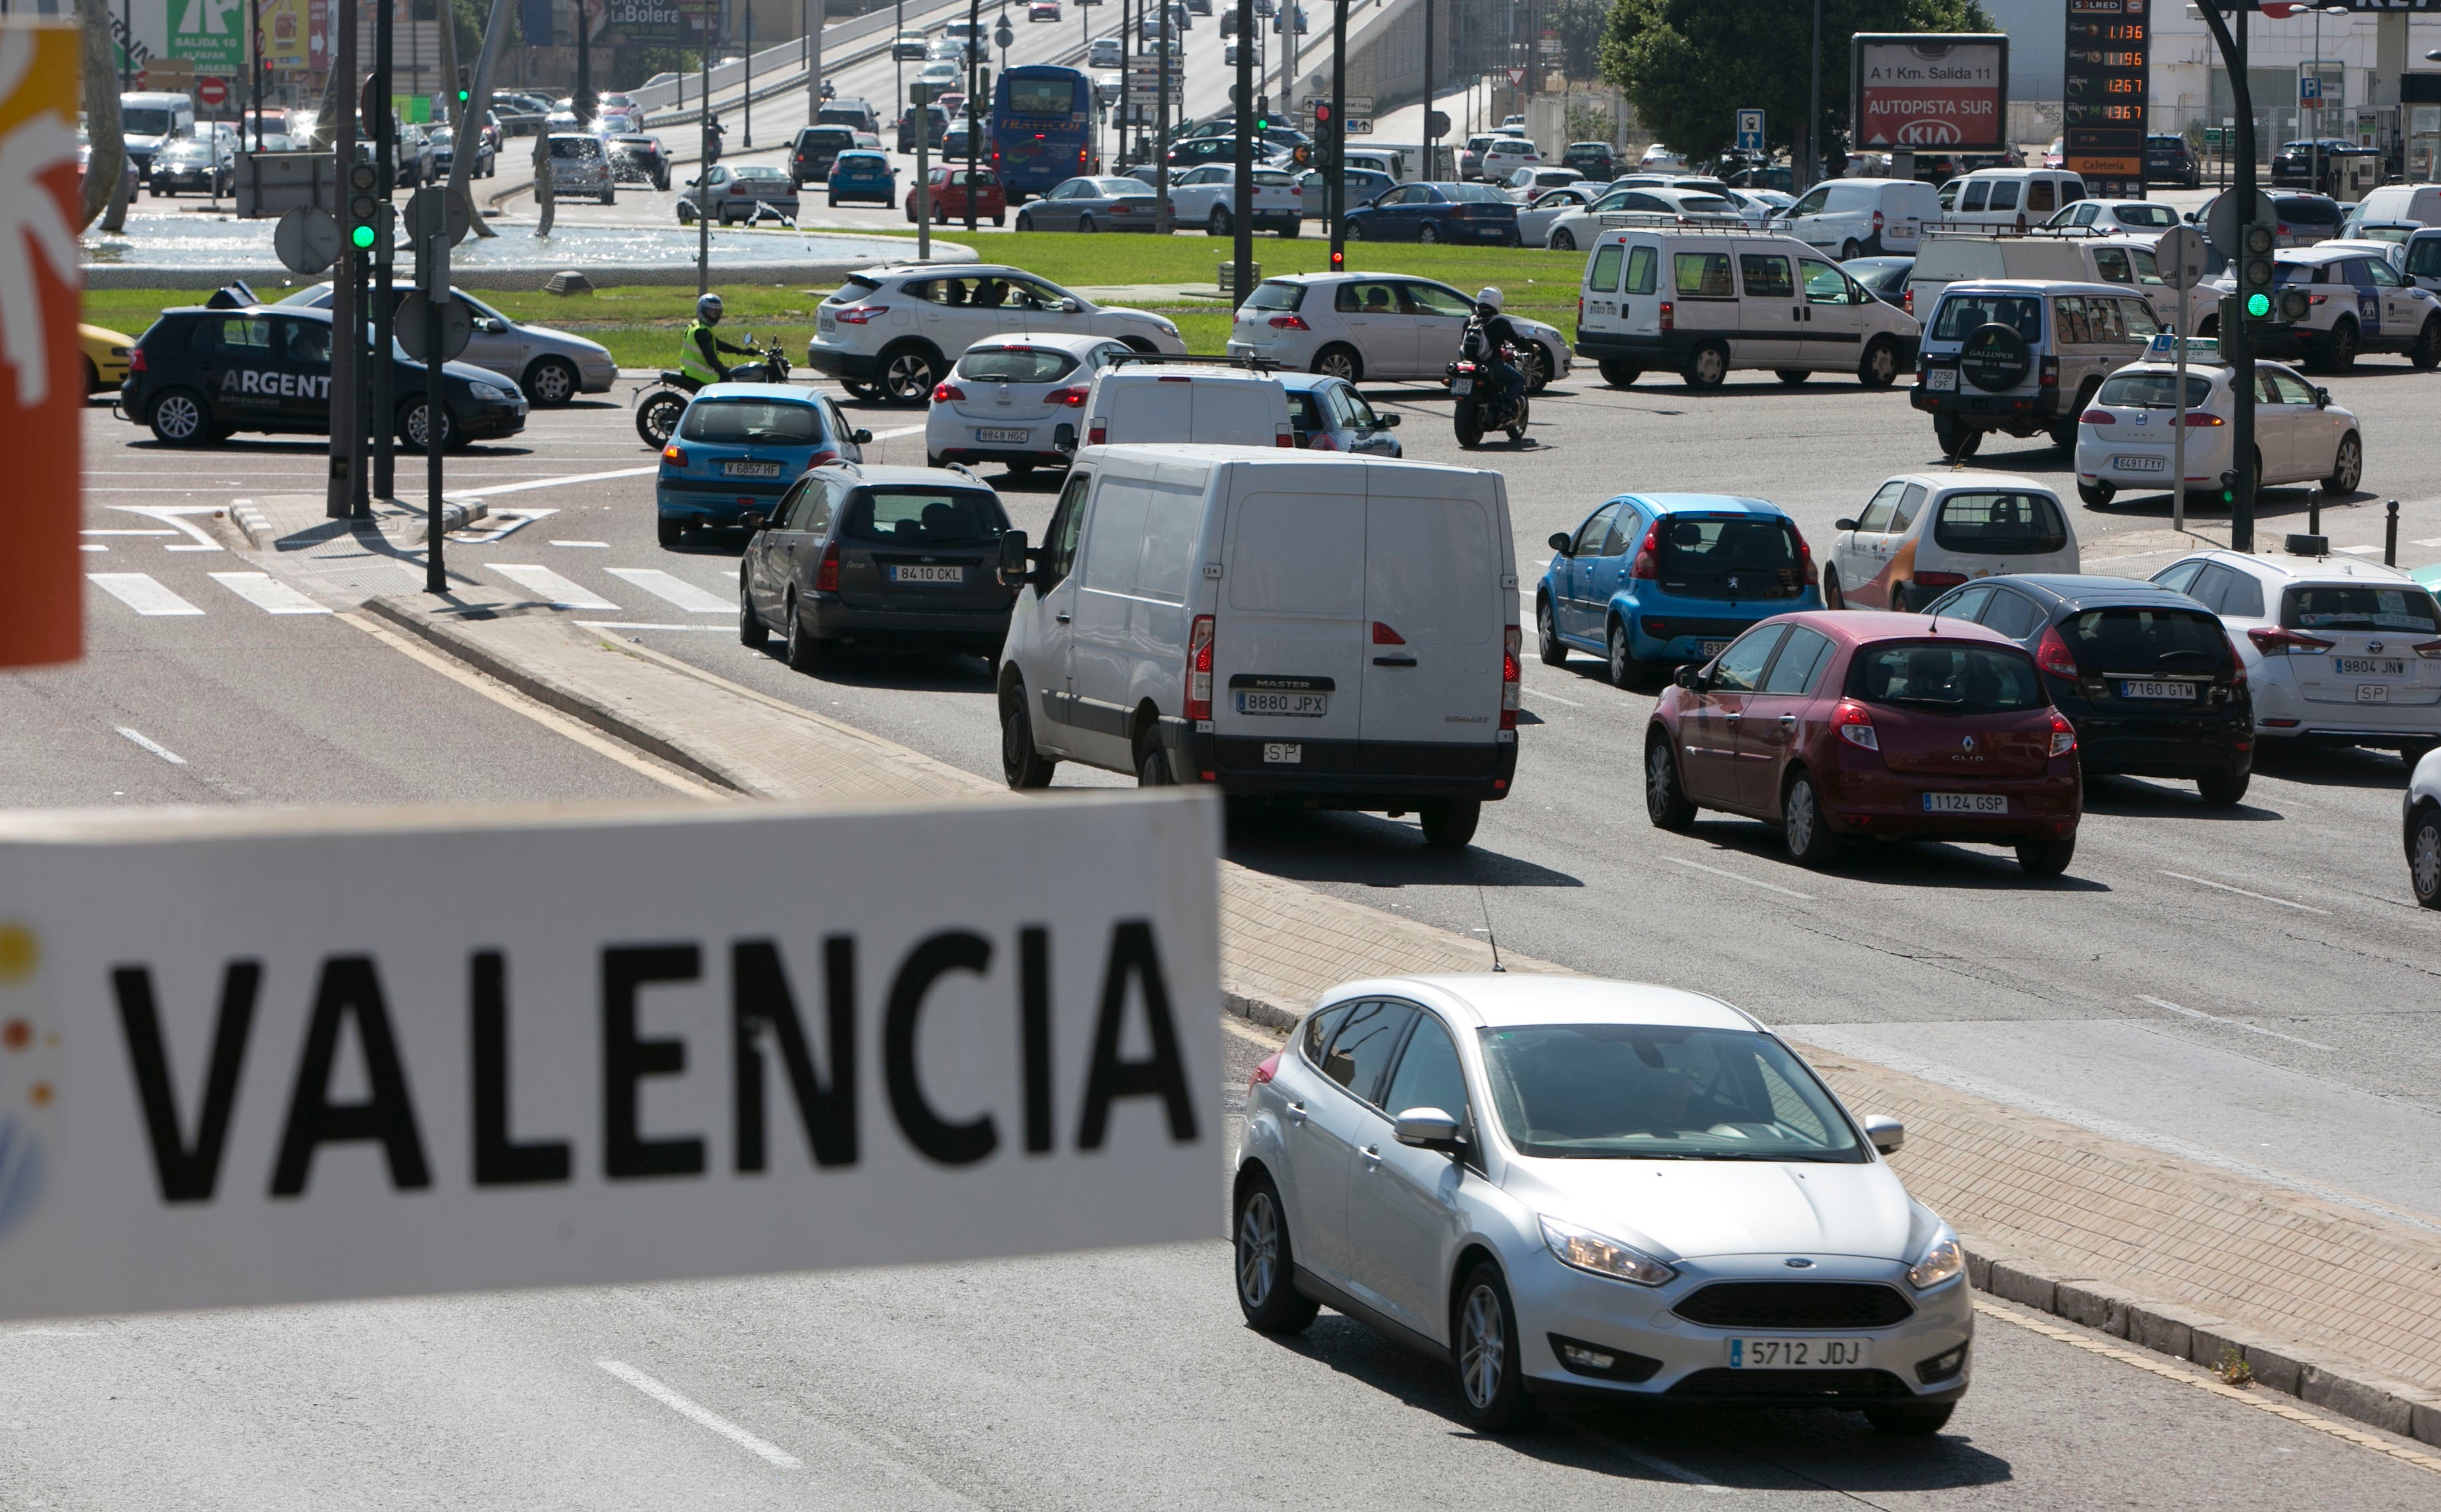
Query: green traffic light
x=2258, y=305
x=362, y=236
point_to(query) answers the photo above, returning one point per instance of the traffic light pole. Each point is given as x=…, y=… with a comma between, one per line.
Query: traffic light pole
x=974, y=71
x=2236, y=332
x=347, y=349
x=385, y=312
x=1241, y=278
x=1335, y=147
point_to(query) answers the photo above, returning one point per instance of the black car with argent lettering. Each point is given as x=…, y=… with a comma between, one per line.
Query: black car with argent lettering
x=202, y=373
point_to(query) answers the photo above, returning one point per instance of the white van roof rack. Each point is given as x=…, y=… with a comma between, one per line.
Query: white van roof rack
x=1961, y=229
x=1709, y=225
x=1251, y=364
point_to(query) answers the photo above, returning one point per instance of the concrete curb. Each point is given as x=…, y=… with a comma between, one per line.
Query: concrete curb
x=261, y=535
x=252, y=524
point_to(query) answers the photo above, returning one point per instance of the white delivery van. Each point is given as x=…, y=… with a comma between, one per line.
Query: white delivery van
x=1861, y=217
x=1704, y=303
x=1314, y=629
x=2419, y=203
x=2008, y=199
x=1178, y=402
x=1960, y=257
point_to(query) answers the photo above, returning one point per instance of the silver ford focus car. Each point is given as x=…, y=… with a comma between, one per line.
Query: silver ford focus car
x=1565, y=1186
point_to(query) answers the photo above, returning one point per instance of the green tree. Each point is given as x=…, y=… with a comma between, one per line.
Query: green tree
x=1580, y=26
x=1687, y=65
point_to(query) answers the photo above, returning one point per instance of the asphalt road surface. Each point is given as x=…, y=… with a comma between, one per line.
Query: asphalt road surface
x=1125, y=1378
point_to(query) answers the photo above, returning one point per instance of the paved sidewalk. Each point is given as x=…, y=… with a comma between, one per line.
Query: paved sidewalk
x=2339, y=1306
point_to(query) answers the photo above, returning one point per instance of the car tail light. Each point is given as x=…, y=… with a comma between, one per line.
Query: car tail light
x=2237, y=666
x=2053, y=655
x=2051, y=372
x=1285, y=437
x=1906, y=298
x=2063, y=734
x=1647, y=560
x=822, y=459
x=136, y=360
x=1097, y=435
x=1668, y=318
x=1855, y=725
x=2315, y=298
x=1264, y=1070
x=1512, y=644
x=1199, y=669
x=1288, y=322
x=2196, y=417
x=1073, y=396
x=860, y=314
x=946, y=392
x=673, y=455
x=1877, y=222
x=826, y=574
x=1939, y=580
x=1805, y=557
x=2097, y=417
x=2428, y=650
x=2274, y=641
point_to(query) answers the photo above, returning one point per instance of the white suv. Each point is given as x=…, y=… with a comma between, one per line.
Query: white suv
x=894, y=332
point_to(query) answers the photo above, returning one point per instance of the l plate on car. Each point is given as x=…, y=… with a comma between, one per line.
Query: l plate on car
x=1799, y=1354
x=750, y=469
x=920, y=573
x=1966, y=802
x=1946, y=378
x=1303, y=705
x=2183, y=691
x=992, y=437
x=2141, y=464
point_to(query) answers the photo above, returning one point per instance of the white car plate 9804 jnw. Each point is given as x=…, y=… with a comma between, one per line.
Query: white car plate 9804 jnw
x=1966, y=802
x=2372, y=666
x=2141, y=464
x=1799, y=1354
x=1302, y=705
x=991, y=437
x=923, y=573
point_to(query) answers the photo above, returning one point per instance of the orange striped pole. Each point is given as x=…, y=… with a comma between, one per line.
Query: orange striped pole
x=42, y=378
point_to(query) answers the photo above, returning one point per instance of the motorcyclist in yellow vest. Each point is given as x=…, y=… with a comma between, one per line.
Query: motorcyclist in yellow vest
x=699, y=357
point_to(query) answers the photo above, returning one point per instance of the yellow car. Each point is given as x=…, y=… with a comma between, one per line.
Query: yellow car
x=105, y=358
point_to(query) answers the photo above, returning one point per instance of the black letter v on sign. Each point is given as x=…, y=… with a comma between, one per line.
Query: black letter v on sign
x=187, y=1173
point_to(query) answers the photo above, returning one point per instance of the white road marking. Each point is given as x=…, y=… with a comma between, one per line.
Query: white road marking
x=893, y=435
x=1537, y=692
x=497, y=523
x=1767, y=887
x=556, y=590
x=91, y=546
x=174, y=516
x=2234, y=1024
x=625, y=624
x=267, y=593
x=2259, y=898
x=139, y=592
x=705, y=1415
x=2359, y=551
x=562, y=483
x=155, y=747
x=127, y=533
x=676, y=590
x=603, y=546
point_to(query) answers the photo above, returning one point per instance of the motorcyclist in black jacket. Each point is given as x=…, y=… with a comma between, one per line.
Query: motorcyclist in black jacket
x=1498, y=332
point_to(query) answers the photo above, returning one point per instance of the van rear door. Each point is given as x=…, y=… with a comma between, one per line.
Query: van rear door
x=1290, y=639
x=1435, y=555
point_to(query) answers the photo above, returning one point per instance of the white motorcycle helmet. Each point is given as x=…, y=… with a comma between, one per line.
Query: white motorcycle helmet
x=1488, y=300
x=708, y=309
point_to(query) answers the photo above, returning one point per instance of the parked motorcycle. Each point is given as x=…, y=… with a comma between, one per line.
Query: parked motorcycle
x=660, y=403
x=1474, y=383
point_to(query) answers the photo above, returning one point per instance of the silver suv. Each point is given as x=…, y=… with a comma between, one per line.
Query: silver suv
x=2024, y=356
x=580, y=166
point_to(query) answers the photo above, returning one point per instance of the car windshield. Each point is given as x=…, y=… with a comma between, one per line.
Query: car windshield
x=1277, y=293
x=1015, y=365
x=1741, y=556
x=924, y=517
x=2143, y=640
x=759, y=173
x=2000, y=524
x=1950, y=678
x=1472, y=193
x=1960, y=314
x=1655, y=1092
x=2335, y=606
x=144, y=121
x=2152, y=390
x=2161, y=215
x=1124, y=189
x=855, y=288
x=2308, y=210
x=781, y=422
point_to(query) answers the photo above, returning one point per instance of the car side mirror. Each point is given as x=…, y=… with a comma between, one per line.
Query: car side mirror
x=1689, y=677
x=1386, y=422
x=1428, y=1128
x=1843, y=525
x=2321, y=398
x=862, y=436
x=1073, y=305
x=1013, y=572
x=1563, y=543
x=1887, y=1134
x=495, y=327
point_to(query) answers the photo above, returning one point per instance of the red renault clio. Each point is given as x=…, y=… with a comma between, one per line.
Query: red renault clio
x=1903, y=726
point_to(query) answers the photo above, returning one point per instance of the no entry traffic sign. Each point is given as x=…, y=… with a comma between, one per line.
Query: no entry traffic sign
x=212, y=92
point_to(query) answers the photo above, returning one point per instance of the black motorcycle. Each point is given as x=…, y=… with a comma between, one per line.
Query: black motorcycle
x=1474, y=383
x=660, y=403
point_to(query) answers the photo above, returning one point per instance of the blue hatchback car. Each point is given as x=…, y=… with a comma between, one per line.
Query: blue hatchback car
x=1652, y=580
x=739, y=446
x=863, y=176
x=1328, y=415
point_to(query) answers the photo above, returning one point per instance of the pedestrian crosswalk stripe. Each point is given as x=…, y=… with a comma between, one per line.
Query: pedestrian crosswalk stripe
x=676, y=590
x=554, y=589
x=267, y=593
x=140, y=592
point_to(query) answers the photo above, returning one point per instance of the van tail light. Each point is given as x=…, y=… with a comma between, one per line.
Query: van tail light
x=1855, y=725
x=2051, y=372
x=944, y=393
x=1199, y=669
x=858, y=315
x=1668, y=318
x=675, y=455
x=1073, y=396
x=1284, y=435
x=1580, y=309
x=2053, y=655
x=1384, y=636
x=1097, y=435
x=1647, y=554
x=2097, y=417
x=1877, y=222
x=827, y=575
x=2274, y=641
x=1513, y=645
x=2063, y=734
x=1288, y=322
x=1264, y=1070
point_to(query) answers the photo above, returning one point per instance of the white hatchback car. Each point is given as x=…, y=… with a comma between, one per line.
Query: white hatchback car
x=2126, y=434
x=2147, y=218
x=1503, y=156
x=2339, y=652
x=894, y=331
x=1008, y=400
x=1368, y=327
x=1924, y=534
x=1558, y=1185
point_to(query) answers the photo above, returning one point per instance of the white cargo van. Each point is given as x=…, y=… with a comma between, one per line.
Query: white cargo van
x=1176, y=402
x=1315, y=629
x=1704, y=303
x=2009, y=199
x=1861, y=217
x=2419, y=203
x=1956, y=257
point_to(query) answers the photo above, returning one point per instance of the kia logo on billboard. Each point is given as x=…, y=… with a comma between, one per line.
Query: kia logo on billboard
x=1930, y=134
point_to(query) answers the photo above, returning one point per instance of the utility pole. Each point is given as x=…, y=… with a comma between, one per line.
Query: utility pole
x=582, y=102
x=2236, y=339
x=1335, y=146
x=347, y=290
x=703, y=166
x=818, y=11
x=1241, y=218
x=1126, y=81
x=746, y=84
x=1431, y=160
x=974, y=50
x=1163, y=36
x=385, y=406
x=1811, y=167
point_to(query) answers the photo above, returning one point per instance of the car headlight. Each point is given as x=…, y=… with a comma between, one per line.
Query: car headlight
x=1603, y=1256
x=1942, y=1262
x=493, y=392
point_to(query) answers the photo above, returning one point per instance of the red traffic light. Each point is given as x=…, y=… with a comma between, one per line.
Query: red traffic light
x=1322, y=113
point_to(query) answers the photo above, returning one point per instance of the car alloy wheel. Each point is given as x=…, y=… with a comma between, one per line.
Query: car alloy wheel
x=177, y=417
x=1483, y=1347
x=2424, y=859
x=1336, y=362
x=2347, y=467
x=907, y=377
x=1663, y=803
x=1427, y=235
x=1563, y=242
x=1547, y=643
x=1811, y=842
x=553, y=383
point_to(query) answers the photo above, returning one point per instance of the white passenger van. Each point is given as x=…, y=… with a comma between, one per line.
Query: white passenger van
x=1180, y=402
x=2008, y=199
x=1961, y=256
x=1319, y=630
x=1701, y=303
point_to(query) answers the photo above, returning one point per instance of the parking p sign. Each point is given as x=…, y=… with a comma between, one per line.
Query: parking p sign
x=1750, y=131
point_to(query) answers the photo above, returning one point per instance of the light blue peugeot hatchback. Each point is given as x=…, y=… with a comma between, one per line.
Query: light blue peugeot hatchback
x=1650, y=580
x=739, y=446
